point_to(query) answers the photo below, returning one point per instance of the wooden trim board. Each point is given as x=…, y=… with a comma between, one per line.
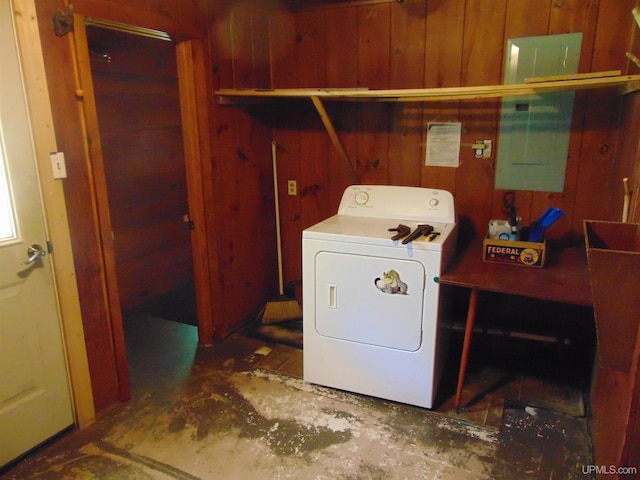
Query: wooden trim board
x=542, y=85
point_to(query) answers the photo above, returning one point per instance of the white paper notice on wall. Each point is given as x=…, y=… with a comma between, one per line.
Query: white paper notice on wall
x=443, y=144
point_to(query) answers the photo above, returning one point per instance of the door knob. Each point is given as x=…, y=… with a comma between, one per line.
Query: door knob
x=34, y=252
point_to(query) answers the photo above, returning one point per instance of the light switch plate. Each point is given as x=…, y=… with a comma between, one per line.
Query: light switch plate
x=58, y=165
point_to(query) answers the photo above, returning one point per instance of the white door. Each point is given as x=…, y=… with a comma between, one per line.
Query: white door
x=35, y=400
x=370, y=300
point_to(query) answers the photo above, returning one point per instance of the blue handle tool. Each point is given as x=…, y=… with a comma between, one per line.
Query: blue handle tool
x=538, y=227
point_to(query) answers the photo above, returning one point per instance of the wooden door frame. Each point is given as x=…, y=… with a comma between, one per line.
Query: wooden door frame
x=194, y=112
x=98, y=187
x=194, y=103
x=55, y=210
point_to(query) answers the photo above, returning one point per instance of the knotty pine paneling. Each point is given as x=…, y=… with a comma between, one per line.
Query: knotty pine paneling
x=406, y=70
x=628, y=153
x=374, y=63
x=241, y=167
x=595, y=182
x=341, y=73
x=147, y=276
x=355, y=42
x=570, y=16
x=434, y=43
x=442, y=67
x=628, y=150
x=180, y=18
x=224, y=158
x=294, y=37
x=312, y=171
x=137, y=102
x=482, y=60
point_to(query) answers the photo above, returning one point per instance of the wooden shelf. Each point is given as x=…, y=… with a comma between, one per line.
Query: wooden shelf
x=625, y=83
x=534, y=86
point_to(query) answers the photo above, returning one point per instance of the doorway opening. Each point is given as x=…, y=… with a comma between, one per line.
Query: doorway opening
x=137, y=98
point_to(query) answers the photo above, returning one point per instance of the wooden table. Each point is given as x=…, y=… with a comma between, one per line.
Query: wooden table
x=564, y=279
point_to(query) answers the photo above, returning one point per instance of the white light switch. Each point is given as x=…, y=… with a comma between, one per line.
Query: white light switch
x=58, y=166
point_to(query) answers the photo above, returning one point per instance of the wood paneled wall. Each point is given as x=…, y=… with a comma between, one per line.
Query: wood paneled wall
x=136, y=90
x=361, y=43
x=627, y=162
x=241, y=161
x=433, y=43
x=181, y=19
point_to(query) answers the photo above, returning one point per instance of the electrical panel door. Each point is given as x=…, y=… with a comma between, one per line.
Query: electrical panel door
x=534, y=130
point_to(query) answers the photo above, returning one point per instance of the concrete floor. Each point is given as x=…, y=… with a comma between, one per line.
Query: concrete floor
x=240, y=410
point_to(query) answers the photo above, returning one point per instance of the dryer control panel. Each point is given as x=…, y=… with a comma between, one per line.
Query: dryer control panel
x=390, y=201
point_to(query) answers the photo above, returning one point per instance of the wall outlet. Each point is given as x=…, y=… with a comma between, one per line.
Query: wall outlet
x=292, y=187
x=482, y=148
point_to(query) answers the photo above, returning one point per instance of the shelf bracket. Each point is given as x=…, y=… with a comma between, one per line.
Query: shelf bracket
x=634, y=59
x=629, y=87
x=328, y=125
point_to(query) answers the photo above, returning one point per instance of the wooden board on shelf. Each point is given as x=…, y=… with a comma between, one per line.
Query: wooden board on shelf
x=627, y=82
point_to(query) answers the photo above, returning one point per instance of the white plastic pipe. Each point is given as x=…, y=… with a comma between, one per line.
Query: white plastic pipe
x=627, y=196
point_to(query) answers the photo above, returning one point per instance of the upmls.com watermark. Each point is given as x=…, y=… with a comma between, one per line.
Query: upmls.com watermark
x=608, y=470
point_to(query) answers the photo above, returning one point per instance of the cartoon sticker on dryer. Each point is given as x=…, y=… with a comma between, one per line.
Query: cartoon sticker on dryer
x=391, y=283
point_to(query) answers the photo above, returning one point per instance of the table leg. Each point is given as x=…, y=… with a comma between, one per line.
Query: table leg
x=468, y=331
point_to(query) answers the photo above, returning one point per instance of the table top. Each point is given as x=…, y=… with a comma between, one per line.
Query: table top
x=564, y=277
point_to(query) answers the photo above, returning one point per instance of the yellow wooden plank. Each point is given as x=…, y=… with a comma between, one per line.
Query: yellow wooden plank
x=439, y=94
x=573, y=76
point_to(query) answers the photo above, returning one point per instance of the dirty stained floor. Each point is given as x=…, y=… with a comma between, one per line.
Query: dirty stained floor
x=240, y=410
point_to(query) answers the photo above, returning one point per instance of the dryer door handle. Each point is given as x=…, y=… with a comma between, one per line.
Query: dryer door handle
x=333, y=296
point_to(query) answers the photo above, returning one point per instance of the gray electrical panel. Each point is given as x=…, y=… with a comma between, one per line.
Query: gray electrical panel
x=534, y=130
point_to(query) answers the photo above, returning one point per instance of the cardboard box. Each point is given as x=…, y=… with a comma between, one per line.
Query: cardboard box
x=523, y=254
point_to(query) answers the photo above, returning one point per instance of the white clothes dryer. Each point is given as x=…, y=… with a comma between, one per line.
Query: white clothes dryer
x=372, y=321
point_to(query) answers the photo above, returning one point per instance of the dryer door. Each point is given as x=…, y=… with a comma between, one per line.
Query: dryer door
x=369, y=300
